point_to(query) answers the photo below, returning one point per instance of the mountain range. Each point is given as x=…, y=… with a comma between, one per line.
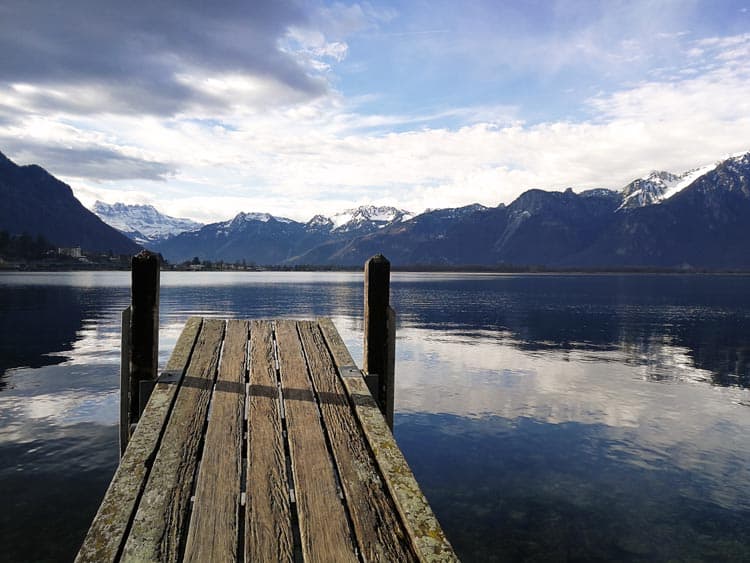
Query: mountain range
x=696, y=219
x=264, y=239
x=693, y=220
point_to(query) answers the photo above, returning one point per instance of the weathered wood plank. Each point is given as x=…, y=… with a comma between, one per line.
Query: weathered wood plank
x=213, y=534
x=268, y=517
x=377, y=525
x=428, y=539
x=159, y=525
x=106, y=534
x=324, y=529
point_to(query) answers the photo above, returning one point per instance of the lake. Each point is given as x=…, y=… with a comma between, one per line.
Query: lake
x=546, y=417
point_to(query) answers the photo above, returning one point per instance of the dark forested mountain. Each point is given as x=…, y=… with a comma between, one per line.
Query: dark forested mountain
x=37, y=203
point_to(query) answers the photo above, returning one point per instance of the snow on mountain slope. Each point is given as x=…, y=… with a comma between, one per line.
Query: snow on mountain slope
x=648, y=190
x=320, y=223
x=660, y=186
x=262, y=217
x=142, y=223
x=452, y=212
x=243, y=220
x=368, y=217
x=688, y=178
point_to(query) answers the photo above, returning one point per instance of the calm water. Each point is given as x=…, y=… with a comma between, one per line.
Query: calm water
x=547, y=418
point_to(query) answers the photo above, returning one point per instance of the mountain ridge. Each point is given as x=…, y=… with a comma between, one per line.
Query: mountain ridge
x=691, y=220
x=592, y=228
x=37, y=203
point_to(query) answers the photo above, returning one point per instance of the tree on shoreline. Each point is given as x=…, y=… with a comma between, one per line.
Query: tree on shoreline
x=23, y=246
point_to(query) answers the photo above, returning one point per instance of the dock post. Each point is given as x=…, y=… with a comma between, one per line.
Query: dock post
x=380, y=335
x=144, y=331
x=125, y=380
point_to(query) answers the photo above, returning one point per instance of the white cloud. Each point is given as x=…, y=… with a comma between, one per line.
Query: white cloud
x=340, y=20
x=303, y=156
x=313, y=44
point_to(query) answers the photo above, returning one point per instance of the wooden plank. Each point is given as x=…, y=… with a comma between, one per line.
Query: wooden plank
x=376, y=523
x=106, y=534
x=324, y=529
x=159, y=525
x=427, y=537
x=214, y=525
x=268, y=516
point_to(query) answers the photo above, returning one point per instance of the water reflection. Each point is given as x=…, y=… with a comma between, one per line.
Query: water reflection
x=58, y=400
x=547, y=417
x=708, y=317
x=34, y=326
x=674, y=422
x=523, y=490
x=263, y=300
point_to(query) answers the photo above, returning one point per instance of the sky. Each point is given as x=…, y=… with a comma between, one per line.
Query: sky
x=205, y=109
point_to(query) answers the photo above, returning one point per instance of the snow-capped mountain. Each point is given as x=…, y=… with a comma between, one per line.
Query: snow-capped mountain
x=368, y=218
x=242, y=218
x=454, y=212
x=320, y=223
x=254, y=237
x=142, y=223
x=648, y=190
x=659, y=186
x=693, y=220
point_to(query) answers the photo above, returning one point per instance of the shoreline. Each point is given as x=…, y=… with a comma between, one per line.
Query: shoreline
x=469, y=269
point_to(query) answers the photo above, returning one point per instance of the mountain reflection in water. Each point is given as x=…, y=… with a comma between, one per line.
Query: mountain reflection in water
x=547, y=417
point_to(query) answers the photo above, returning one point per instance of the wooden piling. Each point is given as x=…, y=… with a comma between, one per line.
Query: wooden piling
x=380, y=334
x=144, y=330
x=389, y=378
x=125, y=381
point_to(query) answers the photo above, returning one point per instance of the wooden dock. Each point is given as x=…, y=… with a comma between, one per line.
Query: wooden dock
x=262, y=442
